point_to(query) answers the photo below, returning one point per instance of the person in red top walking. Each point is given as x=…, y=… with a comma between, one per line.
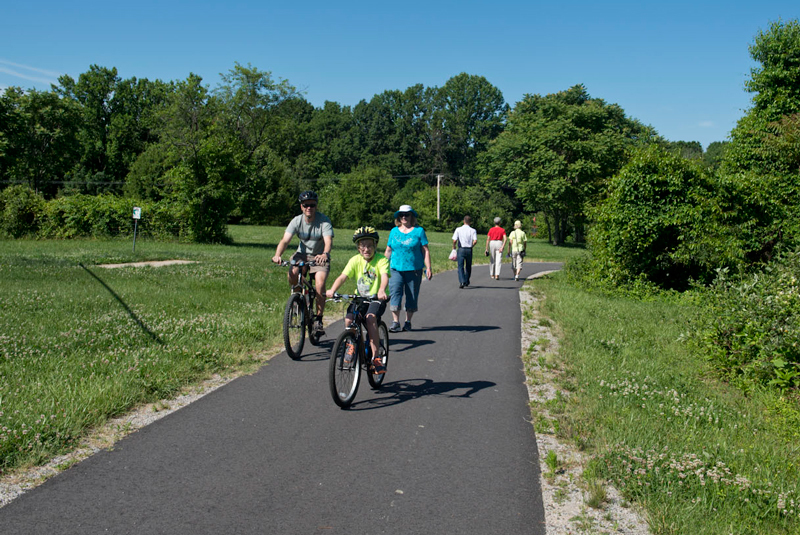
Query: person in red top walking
x=495, y=244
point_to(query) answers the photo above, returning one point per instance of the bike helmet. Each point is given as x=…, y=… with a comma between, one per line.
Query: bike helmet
x=365, y=232
x=308, y=196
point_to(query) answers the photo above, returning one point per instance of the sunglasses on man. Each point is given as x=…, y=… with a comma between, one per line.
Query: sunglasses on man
x=309, y=205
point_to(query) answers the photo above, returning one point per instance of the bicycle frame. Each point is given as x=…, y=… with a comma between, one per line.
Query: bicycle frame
x=344, y=377
x=301, y=302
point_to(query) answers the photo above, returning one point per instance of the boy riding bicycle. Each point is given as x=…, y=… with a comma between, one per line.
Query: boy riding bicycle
x=371, y=271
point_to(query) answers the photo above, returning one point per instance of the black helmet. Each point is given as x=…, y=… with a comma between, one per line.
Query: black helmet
x=308, y=196
x=365, y=232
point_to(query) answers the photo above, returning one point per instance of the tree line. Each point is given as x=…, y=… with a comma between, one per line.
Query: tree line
x=242, y=151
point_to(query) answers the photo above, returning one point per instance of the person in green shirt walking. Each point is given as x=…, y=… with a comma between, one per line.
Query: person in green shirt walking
x=517, y=244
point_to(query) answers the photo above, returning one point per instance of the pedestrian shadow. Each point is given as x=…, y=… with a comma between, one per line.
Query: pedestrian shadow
x=411, y=389
x=407, y=344
x=153, y=336
x=456, y=328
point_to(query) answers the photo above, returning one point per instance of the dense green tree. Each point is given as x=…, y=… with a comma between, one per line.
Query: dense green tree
x=362, y=197
x=136, y=105
x=558, y=152
x=38, y=138
x=714, y=154
x=93, y=91
x=691, y=150
x=253, y=111
x=761, y=161
x=207, y=172
x=469, y=113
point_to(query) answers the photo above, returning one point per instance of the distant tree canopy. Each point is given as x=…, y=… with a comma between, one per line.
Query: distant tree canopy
x=242, y=151
x=558, y=151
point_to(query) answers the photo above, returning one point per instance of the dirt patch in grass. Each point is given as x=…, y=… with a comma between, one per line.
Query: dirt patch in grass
x=152, y=263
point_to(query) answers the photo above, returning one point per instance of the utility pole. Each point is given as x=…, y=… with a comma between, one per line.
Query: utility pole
x=438, y=196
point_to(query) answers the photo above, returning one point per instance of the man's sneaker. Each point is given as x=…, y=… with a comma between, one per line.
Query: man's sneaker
x=395, y=328
x=349, y=354
x=318, y=328
x=407, y=326
x=377, y=366
x=516, y=279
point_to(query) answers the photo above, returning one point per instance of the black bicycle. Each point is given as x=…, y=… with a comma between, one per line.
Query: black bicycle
x=351, y=352
x=298, y=316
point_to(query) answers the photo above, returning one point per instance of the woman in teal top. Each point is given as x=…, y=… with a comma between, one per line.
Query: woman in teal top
x=407, y=250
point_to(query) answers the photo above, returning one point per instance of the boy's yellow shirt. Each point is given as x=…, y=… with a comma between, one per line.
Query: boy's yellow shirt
x=367, y=274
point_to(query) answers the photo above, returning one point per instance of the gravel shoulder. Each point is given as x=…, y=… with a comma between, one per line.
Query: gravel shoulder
x=566, y=492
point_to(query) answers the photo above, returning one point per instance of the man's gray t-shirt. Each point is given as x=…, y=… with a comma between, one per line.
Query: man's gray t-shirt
x=311, y=234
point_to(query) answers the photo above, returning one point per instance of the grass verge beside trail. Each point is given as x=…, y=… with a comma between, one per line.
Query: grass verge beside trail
x=80, y=343
x=701, y=457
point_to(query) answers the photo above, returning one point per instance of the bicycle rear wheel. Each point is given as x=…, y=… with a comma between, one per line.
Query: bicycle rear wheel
x=344, y=376
x=294, y=326
x=313, y=336
x=375, y=379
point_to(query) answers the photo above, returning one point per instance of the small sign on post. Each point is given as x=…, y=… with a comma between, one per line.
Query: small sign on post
x=137, y=215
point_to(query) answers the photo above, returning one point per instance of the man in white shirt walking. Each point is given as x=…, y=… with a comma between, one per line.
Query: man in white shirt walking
x=464, y=239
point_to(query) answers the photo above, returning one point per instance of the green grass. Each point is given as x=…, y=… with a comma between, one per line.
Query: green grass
x=80, y=343
x=699, y=455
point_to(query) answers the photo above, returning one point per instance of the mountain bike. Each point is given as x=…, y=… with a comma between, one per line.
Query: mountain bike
x=351, y=352
x=298, y=316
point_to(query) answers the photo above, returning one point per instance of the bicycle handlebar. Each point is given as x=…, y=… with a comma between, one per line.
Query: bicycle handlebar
x=298, y=263
x=353, y=297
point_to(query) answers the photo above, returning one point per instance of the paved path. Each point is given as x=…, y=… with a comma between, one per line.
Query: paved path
x=445, y=447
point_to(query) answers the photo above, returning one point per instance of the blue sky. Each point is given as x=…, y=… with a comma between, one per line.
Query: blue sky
x=678, y=66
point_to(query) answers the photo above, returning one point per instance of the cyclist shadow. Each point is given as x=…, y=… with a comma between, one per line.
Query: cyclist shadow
x=317, y=353
x=411, y=389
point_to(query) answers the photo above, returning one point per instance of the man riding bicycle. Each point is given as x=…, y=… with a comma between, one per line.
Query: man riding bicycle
x=316, y=240
x=370, y=269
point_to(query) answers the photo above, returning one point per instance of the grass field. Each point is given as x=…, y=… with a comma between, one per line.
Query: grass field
x=699, y=455
x=80, y=343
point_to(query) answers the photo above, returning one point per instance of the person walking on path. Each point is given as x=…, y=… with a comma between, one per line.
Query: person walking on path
x=407, y=251
x=464, y=239
x=517, y=244
x=495, y=244
x=316, y=240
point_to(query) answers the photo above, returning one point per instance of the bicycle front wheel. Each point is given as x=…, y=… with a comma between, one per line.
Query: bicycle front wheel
x=375, y=379
x=345, y=371
x=294, y=326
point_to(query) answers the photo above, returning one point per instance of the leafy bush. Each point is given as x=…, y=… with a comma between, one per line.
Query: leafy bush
x=661, y=223
x=88, y=215
x=20, y=211
x=750, y=327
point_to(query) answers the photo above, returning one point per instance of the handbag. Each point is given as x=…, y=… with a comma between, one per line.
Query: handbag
x=453, y=254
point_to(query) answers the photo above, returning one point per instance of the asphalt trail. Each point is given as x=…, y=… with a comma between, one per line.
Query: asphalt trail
x=444, y=447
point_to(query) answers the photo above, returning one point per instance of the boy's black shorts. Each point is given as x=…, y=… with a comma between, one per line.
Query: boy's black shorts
x=375, y=307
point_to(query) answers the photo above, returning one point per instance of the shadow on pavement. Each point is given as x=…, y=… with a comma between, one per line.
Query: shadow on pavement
x=317, y=353
x=410, y=389
x=458, y=328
